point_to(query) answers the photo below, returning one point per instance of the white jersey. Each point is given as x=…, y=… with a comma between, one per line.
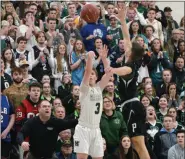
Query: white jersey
x=91, y=106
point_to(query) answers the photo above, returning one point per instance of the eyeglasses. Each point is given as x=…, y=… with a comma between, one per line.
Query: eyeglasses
x=107, y=101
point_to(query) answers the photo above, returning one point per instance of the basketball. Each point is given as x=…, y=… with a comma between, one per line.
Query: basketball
x=89, y=13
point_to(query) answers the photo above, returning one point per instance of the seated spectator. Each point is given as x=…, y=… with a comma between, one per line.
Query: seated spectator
x=125, y=149
x=77, y=62
x=112, y=125
x=9, y=60
x=66, y=84
x=145, y=100
x=6, y=79
x=177, y=151
x=164, y=139
x=159, y=61
x=59, y=112
x=174, y=99
x=173, y=112
x=153, y=125
x=66, y=151
x=46, y=93
x=163, y=108
x=161, y=88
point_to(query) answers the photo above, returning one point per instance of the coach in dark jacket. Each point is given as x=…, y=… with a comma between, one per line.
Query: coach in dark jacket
x=43, y=132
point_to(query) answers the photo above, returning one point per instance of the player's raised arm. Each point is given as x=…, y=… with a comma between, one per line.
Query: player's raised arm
x=128, y=44
x=88, y=68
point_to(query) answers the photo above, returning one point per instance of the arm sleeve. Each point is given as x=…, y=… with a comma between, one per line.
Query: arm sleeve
x=157, y=145
x=171, y=154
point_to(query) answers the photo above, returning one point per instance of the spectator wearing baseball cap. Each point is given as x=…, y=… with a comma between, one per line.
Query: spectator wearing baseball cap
x=66, y=151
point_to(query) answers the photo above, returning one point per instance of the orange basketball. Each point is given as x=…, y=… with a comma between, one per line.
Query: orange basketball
x=89, y=13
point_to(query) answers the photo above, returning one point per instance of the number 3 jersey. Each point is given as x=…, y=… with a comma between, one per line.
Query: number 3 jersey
x=26, y=110
x=91, y=106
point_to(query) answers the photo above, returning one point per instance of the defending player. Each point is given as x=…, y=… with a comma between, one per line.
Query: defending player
x=87, y=137
x=132, y=109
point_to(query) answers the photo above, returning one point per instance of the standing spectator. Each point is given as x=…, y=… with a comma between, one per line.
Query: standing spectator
x=177, y=151
x=61, y=65
x=159, y=61
x=172, y=43
x=181, y=112
x=110, y=8
x=7, y=122
x=6, y=79
x=171, y=23
x=76, y=113
x=145, y=100
x=151, y=14
x=9, y=60
x=77, y=62
x=36, y=129
x=148, y=32
x=18, y=90
x=164, y=139
x=112, y=125
x=43, y=58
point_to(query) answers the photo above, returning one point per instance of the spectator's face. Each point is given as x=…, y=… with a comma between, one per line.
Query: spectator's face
x=60, y=112
x=145, y=101
x=52, y=14
x=57, y=102
x=62, y=50
x=110, y=87
x=172, y=88
x=46, y=88
x=163, y=103
x=33, y=9
x=135, y=27
x=35, y=93
x=45, y=79
x=168, y=13
x=24, y=69
x=131, y=14
x=151, y=15
x=176, y=35
x=17, y=77
x=41, y=38
x=121, y=44
x=179, y=63
x=22, y=45
x=76, y=90
x=78, y=45
x=140, y=41
x=72, y=9
x=126, y=143
x=93, y=78
x=149, y=32
x=167, y=76
x=181, y=35
x=167, y=123
x=29, y=16
x=98, y=44
x=107, y=104
x=67, y=79
x=156, y=44
x=8, y=55
x=180, y=139
x=78, y=105
x=66, y=150
x=113, y=22
x=148, y=81
x=110, y=9
x=52, y=24
x=65, y=135
x=148, y=90
x=150, y=112
x=45, y=109
x=10, y=19
x=181, y=47
x=173, y=113
x=9, y=8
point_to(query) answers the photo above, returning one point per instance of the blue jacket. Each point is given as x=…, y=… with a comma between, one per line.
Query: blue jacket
x=98, y=30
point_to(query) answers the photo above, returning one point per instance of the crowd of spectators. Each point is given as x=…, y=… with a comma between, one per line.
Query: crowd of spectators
x=44, y=45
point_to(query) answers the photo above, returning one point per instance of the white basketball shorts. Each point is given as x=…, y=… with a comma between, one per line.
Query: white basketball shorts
x=88, y=141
